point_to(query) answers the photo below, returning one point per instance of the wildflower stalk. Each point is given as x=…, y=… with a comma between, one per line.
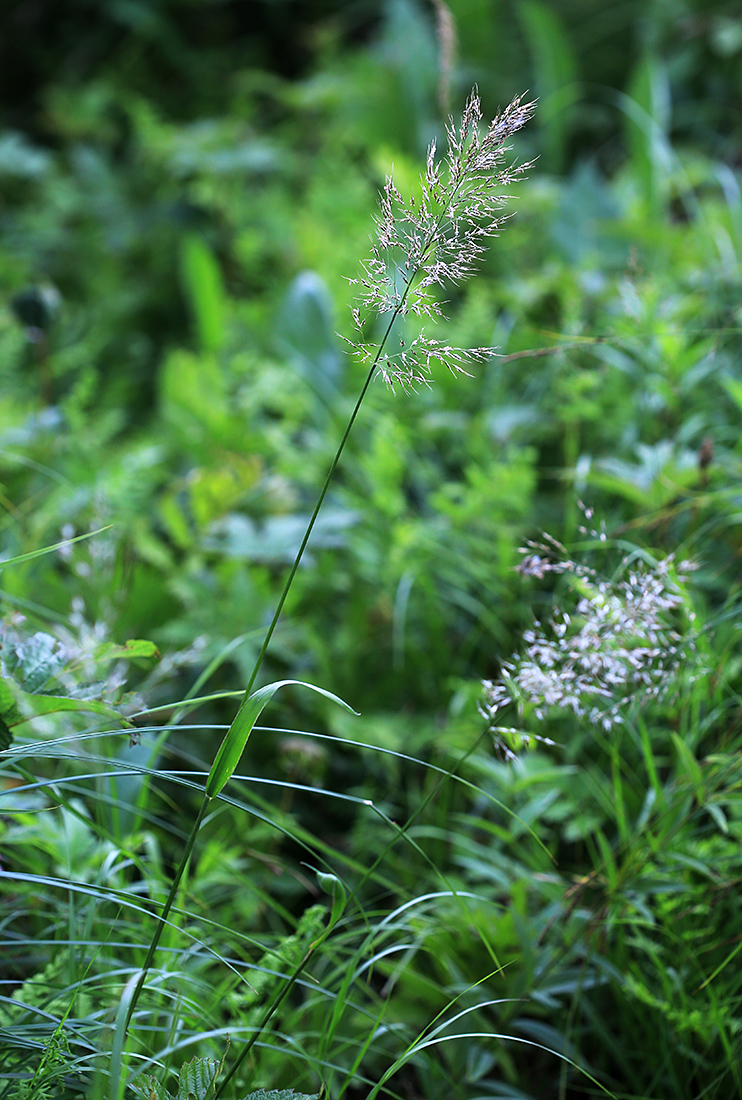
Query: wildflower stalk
x=435, y=243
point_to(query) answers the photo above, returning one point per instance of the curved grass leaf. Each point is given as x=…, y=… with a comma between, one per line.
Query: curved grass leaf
x=235, y=740
x=332, y=885
x=52, y=704
x=50, y=549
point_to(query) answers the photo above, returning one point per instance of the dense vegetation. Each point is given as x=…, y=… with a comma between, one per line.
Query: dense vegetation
x=516, y=872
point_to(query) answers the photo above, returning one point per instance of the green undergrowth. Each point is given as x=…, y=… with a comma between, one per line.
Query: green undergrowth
x=403, y=902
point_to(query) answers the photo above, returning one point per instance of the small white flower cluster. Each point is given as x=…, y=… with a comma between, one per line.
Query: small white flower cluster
x=413, y=365
x=437, y=240
x=617, y=647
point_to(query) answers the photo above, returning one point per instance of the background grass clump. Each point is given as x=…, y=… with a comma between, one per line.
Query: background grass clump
x=535, y=905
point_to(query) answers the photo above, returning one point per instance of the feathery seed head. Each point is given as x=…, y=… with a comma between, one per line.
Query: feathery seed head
x=437, y=239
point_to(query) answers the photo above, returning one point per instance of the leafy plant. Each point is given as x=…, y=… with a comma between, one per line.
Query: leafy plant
x=170, y=372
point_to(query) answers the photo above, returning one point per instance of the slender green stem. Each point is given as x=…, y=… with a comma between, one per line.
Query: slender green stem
x=166, y=910
x=190, y=843
x=272, y=1007
x=315, y=513
x=258, y=662
x=177, y=878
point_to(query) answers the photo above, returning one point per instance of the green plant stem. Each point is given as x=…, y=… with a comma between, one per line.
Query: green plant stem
x=398, y=310
x=272, y=1008
x=256, y=669
x=166, y=910
x=315, y=513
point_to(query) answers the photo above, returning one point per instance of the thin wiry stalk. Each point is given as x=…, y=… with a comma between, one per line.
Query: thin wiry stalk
x=251, y=683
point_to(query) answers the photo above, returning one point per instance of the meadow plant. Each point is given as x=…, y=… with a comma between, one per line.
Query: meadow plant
x=422, y=244
x=436, y=241
x=618, y=644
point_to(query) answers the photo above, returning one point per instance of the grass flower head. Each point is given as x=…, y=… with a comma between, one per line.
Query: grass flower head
x=437, y=240
x=619, y=644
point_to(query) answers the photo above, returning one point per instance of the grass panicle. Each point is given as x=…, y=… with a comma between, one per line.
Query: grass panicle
x=437, y=240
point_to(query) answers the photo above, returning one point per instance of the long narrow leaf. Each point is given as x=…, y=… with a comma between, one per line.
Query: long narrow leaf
x=5, y=562
x=52, y=704
x=235, y=740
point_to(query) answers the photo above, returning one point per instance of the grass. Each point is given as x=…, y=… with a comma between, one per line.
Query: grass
x=396, y=993
x=387, y=905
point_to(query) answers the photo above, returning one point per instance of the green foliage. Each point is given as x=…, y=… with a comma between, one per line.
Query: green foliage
x=31, y=665
x=556, y=74
x=34, y=1004
x=281, y=1094
x=197, y=1081
x=44, y=1084
x=183, y=199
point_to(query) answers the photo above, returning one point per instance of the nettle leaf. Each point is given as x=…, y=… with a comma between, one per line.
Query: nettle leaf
x=29, y=665
x=197, y=1078
x=35, y=661
x=196, y=1082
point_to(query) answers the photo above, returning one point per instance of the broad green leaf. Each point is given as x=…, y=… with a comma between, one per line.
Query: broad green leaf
x=34, y=661
x=276, y=538
x=197, y=1078
x=307, y=331
x=233, y=745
